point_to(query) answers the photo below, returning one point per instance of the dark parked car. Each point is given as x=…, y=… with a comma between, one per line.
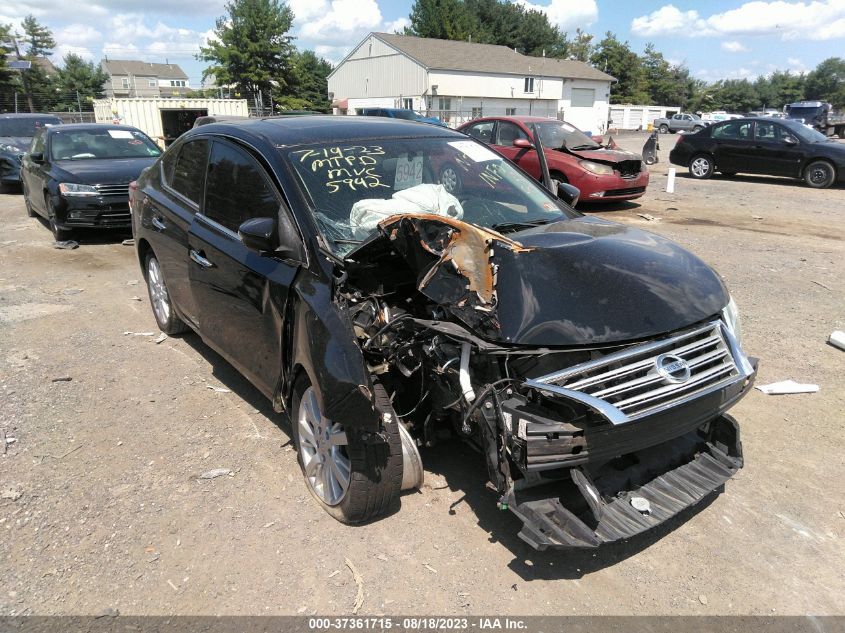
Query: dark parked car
x=601, y=174
x=78, y=175
x=588, y=361
x=762, y=146
x=16, y=132
x=402, y=113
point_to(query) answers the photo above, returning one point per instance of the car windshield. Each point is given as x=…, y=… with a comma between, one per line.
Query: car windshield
x=409, y=115
x=25, y=127
x=557, y=134
x=804, y=113
x=102, y=143
x=807, y=134
x=354, y=186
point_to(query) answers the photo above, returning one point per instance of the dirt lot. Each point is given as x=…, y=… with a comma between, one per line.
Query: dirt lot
x=112, y=430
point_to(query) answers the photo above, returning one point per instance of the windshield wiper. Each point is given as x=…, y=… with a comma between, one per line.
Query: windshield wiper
x=585, y=146
x=524, y=224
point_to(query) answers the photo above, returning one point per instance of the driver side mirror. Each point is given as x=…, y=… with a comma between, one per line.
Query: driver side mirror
x=262, y=236
x=566, y=192
x=522, y=143
x=791, y=141
x=37, y=157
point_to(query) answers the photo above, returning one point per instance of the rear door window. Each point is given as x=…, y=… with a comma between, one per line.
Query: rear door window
x=482, y=131
x=188, y=171
x=508, y=132
x=237, y=188
x=733, y=130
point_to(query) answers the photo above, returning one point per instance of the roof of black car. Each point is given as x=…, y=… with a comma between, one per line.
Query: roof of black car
x=301, y=130
x=70, y=127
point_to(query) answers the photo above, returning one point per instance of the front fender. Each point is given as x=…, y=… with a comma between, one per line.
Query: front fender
x=325, y=347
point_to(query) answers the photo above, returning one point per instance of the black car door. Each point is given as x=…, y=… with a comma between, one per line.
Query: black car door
x=734, y=145
x=777, y=152
x=34, y=173
x=240, y=295
x=168, y=212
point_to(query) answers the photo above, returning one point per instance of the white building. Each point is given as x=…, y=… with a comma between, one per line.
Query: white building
x=458, y=81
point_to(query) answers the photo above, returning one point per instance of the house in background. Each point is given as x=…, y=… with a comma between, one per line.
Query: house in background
x=459, y=81
x=130, y=78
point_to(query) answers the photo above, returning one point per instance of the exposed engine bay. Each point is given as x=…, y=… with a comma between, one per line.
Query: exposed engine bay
x=591, y=432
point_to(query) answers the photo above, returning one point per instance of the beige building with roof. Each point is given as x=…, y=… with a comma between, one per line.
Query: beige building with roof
x=132, y=78
x=459, y=81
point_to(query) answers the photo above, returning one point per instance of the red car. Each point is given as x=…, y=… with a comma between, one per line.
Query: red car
x=602, y=174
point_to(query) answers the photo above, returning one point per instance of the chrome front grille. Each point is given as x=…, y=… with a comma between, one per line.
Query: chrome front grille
x=114, y=190
x=638, y=381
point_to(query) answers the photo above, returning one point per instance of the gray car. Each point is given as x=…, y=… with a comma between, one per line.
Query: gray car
x=680, y=121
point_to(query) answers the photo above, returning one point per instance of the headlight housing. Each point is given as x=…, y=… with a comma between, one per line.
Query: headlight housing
x=730, y=315
x=74, y=189
x=596, y=168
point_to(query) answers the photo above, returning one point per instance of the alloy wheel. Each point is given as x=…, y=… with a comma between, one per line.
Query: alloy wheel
x=158, y=291
x=322, y=449
x=700, y=167
x=449, y=179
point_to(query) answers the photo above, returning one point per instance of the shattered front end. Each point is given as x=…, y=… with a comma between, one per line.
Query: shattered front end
x=589, y=434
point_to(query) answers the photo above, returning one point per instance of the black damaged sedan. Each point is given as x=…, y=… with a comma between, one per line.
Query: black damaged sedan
x=77, y=176
x=591, y=364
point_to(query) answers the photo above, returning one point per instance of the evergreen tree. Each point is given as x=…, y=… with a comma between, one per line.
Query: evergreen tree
x=79, y=83
x=310, y=90
x=581, y=47
x=827, y=82
x=39, y=38
x=252, y=50
x=442, y=19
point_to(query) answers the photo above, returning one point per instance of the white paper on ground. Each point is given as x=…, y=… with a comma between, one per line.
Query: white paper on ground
x=837, y=339
x=787, y=387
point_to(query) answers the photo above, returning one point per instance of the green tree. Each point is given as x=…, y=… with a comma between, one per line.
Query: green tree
x=39, y=38
x=6, y=74
x=442, y=19
x=736, y=95
x=667, y=84
x=827, y=82
x=581, y=47
x=252, y=49
x=79, y=83
x=310, y=90
x=36, y=85
x=616, y=58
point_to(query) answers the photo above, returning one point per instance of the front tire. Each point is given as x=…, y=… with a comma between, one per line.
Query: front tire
x=664, y=129
x=819, y=174
x=59, y=234
x=701, y=167
x=165, y=316
x=353, y=480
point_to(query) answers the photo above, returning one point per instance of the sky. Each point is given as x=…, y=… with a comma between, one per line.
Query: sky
x=715, y=39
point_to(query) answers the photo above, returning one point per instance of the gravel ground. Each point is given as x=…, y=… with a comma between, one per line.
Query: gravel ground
x=103, y=507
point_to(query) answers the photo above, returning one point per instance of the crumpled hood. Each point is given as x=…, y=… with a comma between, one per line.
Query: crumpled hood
x=104, y=171
x=19, y=142
x=588, y=281
x=576, y=282
x=606, y=155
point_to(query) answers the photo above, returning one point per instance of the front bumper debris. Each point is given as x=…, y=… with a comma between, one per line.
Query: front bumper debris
x=602, y=515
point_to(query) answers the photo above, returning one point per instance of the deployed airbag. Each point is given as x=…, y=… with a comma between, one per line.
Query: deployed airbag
x=431, y=199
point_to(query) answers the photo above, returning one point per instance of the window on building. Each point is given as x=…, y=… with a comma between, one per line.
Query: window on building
x=583, y=97
x=510, y=111
x=445, y=103
x=125, y=82
x=477, y=113
x=408, y=103
x=177, y=83
x=529, y=84
x=152, y=83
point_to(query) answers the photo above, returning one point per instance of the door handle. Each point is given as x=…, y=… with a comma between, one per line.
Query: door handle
x=200, y=259
x=158, y=223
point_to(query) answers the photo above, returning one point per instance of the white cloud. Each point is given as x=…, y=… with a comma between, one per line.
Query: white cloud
x=304, y=10
x=567, y=14
x=397, y=25
x=80, y=39
x=734, y=47
x=342, y=20
x=815, y=20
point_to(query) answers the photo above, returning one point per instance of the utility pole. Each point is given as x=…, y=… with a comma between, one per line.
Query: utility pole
x=79, y=105
x=24, y=79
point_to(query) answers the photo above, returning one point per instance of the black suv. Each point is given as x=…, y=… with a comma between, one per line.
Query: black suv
x=590, y=362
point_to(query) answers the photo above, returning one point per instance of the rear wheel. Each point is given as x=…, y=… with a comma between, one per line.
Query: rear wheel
x=701, y=166
x=819, y=174
x=353, y=480
x=165, y=315
x=664, y=129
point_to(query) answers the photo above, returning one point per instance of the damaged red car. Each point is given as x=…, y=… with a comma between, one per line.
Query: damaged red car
x=591, y=364
x=602, y=174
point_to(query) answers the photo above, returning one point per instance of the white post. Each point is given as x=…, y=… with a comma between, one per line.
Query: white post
x=670, y=184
